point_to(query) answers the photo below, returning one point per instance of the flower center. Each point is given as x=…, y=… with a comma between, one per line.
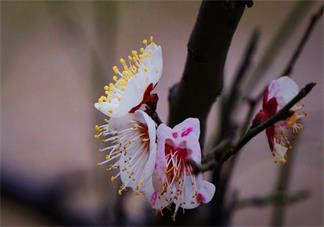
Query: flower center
x=143, y=134
x=176, y=156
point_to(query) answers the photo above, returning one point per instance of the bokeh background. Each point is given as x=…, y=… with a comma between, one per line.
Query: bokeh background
x=55, y=59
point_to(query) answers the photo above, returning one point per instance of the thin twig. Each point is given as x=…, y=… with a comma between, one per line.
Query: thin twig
x=281, y=187
x=302, y=42
x=276, y=198
x=230, y=100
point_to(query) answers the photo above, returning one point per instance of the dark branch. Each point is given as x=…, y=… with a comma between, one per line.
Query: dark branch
x=202, y=79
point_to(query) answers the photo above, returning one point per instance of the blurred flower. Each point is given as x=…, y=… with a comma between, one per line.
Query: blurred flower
x=173, y=179
x=133, y=84
x=275, y=97
x=131, y=149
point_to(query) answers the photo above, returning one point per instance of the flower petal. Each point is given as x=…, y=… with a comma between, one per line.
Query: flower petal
x=283, y=89
x=189, y=132
x=280, y=153
x=207, y=189
x=137, y=164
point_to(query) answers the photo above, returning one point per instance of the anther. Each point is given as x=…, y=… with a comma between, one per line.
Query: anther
x=115, y=69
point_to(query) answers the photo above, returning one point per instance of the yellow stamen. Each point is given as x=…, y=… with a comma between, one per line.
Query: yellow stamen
x=115, y=69
x=122, y=61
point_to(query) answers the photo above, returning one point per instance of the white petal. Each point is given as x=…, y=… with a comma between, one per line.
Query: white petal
x=141, y=160
x=120, y=123
x=104, y=108
x=188, y=199
x=207, y=189
x=163, y=132
x=132, y=95
x=280, y=153
x=150, y=164
x=154, y=62
x=283, y=89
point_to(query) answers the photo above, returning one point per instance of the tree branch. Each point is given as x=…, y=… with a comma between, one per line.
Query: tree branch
x=303, y=41
x=276, y=198
x=202, y=79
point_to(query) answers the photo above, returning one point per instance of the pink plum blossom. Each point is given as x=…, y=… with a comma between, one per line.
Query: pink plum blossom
x=173, y=180
x=275, y=97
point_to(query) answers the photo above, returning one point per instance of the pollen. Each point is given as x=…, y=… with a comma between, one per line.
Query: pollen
x=131, y=67
x=115, y=69
x=292, y=120
x=122, y=61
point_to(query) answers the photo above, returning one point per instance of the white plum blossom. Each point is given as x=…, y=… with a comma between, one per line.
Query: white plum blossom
x=131, y=149
x=173, y=180
x=134, y=83
x=275, y=97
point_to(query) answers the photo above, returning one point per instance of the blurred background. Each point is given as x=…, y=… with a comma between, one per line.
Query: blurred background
x=56, y=58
